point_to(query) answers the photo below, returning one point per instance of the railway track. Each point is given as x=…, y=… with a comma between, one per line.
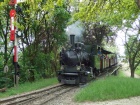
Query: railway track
x=41, y=97
x=38, y=97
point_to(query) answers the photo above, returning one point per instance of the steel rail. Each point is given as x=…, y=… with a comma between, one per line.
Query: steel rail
x=13, y=99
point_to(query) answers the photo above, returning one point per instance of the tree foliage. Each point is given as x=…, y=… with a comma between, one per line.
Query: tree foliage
x=43, y=32
x=113, y=13
x=40, y=28
x=96, y=33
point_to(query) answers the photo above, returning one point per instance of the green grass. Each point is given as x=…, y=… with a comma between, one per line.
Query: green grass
x=42, y=83
x=110, y=88
x=120, y=73
x=138, y=70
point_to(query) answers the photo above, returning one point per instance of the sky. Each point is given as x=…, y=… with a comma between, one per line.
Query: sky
x=120, y=42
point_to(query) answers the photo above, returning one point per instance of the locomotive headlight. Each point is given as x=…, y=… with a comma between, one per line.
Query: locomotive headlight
x=77, y=67
x=62, y=67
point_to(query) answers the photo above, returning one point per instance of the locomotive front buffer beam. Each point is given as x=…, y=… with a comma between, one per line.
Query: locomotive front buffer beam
x=74, y=78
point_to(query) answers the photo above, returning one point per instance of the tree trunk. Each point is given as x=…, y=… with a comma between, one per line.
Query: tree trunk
x=138, y=3
x=5, y=50
x=132, y=73
x=132, y=69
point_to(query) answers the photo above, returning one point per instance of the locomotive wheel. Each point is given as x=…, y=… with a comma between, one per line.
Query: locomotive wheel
x=77, y=81
x=83, y=79
x=59, y=79
x=97, y=73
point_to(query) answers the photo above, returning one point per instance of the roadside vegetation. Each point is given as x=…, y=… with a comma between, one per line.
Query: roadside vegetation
x=28, y=86
x=120, y=73
x=110, y=88
x=138, y=70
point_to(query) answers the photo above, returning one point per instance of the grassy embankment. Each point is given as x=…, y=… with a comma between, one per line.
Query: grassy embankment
x=109, y=88
x=138, y=71
x=42, y=83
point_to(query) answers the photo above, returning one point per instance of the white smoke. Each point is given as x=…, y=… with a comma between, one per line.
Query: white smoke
x=77, y=30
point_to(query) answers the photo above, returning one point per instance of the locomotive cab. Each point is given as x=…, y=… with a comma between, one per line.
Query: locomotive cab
x=79, y=47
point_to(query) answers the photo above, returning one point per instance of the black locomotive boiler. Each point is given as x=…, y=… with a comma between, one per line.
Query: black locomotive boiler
x=82, y=62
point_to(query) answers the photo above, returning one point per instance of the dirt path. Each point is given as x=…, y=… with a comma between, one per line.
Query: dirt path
x=126, y=70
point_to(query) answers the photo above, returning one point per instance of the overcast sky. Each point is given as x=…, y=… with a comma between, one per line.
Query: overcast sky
x=120, y=42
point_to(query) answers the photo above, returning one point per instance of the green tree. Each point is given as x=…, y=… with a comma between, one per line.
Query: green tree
x=5, y=45
x=118, y=14
x=132, y=51
x=43, y=31
x=4, y=30
x=110, y=12
x=96, y=33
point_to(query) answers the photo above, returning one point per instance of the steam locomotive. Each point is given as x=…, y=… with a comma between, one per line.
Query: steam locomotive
x=82, y=62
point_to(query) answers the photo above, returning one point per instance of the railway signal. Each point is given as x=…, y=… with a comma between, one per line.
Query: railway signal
x=13, y=38
x=20, y=1
x=13, y=2
x=12, y=17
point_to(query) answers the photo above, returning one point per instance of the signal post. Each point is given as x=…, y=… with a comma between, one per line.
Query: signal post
x=13, y=38
x=13, y=4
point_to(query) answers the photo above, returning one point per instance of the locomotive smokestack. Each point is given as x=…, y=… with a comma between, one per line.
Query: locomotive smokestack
x=72, y=39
